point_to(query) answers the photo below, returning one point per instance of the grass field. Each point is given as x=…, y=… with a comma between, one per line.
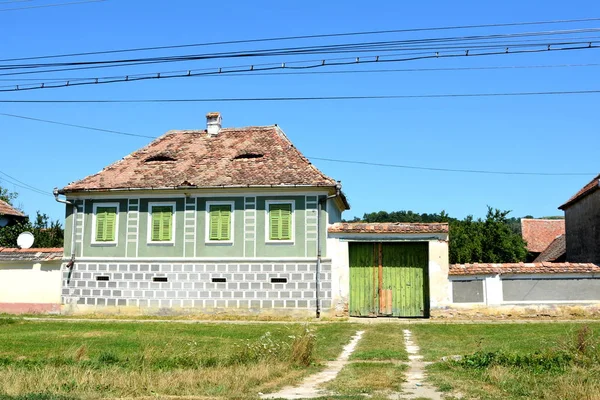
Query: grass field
x=64, y=360
x=514, y=361
x=96, y=359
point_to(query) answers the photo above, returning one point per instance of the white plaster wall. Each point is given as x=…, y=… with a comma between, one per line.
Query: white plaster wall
x=340, y=274
x=30, y=283
x=439, y=286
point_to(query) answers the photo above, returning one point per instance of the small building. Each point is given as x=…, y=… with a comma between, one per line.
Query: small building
x=540, y=233
x=582, y=216
x=10, y=215
x=30, y=280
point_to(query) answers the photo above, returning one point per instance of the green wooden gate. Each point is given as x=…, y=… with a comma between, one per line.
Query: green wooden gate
x=388, y=279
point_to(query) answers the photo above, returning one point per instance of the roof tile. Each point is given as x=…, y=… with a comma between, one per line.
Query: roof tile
x=201, y=160
x=584, y=191
x=523, y=268
x=390, y=227
x=41, y=254
x=539, y=233
x=7, y=209
x=555, y=250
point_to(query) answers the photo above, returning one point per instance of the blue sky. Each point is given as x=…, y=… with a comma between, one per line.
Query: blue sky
x=538, y=133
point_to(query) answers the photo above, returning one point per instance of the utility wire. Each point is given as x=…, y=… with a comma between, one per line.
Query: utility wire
x=25, y=185
x=435, y=44
x=300, y=37
x=272, y=67
x=472, y=171
x=307, y=98
x=51, y=5
x=364, y=71
x=327, y=159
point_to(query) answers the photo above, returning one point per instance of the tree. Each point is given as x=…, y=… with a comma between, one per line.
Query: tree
x=47, y=233
x=496, y=239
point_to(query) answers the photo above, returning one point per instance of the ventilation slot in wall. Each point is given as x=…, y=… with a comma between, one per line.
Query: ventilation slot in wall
x=160, y=279
x=278, y=280
x=102, y=278
x=219, y=280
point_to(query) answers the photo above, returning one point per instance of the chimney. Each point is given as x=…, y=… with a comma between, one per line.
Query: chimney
x=213, y=123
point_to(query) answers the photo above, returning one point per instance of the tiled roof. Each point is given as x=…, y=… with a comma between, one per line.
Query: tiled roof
x=235, y=157
x=539, y=233
x=587, y=189
x=555, y=250
x=7, y=209
x=523, y=268
x=42, y=254
x=390, y=227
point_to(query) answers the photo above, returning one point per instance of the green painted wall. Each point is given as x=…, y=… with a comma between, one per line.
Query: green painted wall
x=299, y=248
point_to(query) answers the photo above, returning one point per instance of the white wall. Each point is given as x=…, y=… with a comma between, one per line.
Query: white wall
x=22, y=282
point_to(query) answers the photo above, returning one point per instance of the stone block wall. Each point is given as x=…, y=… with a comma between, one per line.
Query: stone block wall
x=197, y=287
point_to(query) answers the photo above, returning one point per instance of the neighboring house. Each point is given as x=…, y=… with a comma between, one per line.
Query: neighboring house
x=555, y=252
x=582, y=216
x=10, y=215
x=236, y=220
x=30, y=280
x=540, y=233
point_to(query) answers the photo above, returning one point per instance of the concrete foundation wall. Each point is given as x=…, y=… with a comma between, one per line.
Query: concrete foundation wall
x=190, y=287
x=29, y=287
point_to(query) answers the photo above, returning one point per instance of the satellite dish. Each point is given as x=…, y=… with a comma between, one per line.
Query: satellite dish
x=25, y=240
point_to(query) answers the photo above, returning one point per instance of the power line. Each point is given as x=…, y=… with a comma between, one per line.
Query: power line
x=439, y=43
x=76, y=126
x=367, y=71
x=51, y=5
x=301, y=37
x=25, y=185
x=473, y=171
x=272, y=67
x=329, y=159
x=308, y=98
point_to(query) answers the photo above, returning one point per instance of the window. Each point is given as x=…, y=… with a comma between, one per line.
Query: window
x=280, y=225
x=106, y=217
x=220, y=221
x=161, y=223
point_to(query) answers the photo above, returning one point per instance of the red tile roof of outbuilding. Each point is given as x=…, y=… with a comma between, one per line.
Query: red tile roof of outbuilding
x=555, y=250
x=7, y=209
x=539, y=233
x=523, y=268
x=584, y=191
x=389, y=227
x=41, y=254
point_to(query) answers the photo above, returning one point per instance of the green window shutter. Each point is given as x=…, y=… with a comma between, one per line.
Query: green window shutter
x=162, y=223
x=280, y=220
x=106, y=224
x=220, y=222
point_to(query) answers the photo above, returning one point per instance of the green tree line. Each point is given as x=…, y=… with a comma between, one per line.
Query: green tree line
x=493, y=239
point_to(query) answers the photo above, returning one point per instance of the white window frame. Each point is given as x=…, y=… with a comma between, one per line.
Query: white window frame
x=95, y=211
x=149, y=224
x=268, y=221
x=207, y=222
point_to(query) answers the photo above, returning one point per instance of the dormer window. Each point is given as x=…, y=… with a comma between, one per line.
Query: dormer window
x=247, y=156
x=159, y=158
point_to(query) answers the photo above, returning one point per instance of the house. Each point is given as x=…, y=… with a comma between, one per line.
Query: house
x=540, y=233
x=30, y=280
x=582, y=216
x=237, y=220
x=10, y=215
